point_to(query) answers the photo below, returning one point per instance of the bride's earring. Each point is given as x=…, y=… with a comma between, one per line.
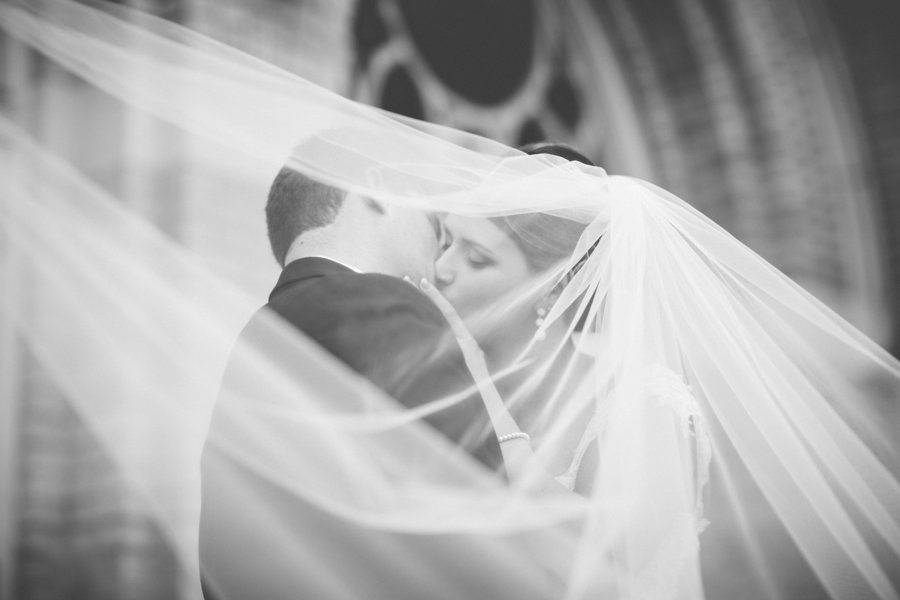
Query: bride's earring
x=542, y=309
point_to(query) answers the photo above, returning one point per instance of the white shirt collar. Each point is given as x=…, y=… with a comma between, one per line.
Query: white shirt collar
x=343, y=264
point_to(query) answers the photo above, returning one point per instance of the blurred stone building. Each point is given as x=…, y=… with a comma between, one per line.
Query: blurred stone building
x=779, y=119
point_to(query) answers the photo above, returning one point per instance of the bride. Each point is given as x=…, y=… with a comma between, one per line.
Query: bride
x=696, y=401
x=500, y=281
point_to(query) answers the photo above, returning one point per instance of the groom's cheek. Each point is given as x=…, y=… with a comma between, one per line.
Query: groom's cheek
x=427, y=269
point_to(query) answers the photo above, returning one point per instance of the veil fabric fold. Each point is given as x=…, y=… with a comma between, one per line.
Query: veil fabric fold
x=714, y=428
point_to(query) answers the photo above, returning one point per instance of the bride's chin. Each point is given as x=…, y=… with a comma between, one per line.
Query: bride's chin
x=496, y=334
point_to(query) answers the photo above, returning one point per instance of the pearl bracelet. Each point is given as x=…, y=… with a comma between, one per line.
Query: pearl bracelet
x=513, y=436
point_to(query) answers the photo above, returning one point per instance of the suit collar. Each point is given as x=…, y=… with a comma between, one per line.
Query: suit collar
x=307, y=268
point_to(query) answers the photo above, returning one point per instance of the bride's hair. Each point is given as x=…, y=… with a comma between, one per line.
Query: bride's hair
x=557, y=149
x=297, y=204
x=544, y=239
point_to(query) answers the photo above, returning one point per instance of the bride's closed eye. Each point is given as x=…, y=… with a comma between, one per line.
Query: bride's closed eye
x=477, y=259
x=474, y=256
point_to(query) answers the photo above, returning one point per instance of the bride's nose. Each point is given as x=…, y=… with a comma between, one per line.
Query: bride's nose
x=442, y=280
x=443, y=274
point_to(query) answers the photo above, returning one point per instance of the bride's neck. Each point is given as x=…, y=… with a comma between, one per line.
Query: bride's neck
x=526, y=346
x=515, y=363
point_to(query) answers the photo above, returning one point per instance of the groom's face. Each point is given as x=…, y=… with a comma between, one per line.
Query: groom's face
x=411, y=240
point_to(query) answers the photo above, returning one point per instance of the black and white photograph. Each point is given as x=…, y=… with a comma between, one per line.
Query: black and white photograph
x=449, y=300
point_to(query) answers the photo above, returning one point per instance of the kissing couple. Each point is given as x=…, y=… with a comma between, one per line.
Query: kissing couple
x=448, y=314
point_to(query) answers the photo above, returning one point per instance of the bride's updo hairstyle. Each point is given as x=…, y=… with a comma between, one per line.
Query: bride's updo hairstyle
x=543, y=239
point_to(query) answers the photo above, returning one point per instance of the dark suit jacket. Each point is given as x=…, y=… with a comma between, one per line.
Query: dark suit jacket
x=389, y=332
x=386, y=330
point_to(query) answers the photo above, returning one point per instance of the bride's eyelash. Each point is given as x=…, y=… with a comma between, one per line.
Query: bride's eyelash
x=477, y=260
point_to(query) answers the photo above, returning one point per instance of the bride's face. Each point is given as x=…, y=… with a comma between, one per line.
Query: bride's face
x=479, y=266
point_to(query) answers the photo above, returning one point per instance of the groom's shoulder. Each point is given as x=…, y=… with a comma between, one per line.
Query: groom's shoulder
x=363, y=295
x=388, y=289
x=377, y=324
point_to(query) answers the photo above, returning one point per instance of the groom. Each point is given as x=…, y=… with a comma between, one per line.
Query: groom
x=343, y=257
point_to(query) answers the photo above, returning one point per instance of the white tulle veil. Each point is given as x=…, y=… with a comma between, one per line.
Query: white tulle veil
x=720, y=424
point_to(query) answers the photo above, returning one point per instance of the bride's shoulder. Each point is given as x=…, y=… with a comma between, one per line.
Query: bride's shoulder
x=659, y=383
x=667, y=385
x=667, y=388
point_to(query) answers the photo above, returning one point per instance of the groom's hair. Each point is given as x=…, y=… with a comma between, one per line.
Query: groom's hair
x=298, y=204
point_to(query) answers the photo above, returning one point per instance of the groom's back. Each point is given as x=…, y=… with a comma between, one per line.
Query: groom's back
x=388, y=332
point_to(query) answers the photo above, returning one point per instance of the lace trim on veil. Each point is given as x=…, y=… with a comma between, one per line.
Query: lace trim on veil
x=667, y=389
x=672, y=570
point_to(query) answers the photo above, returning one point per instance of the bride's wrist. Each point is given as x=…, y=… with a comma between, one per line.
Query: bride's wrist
x=516, y=435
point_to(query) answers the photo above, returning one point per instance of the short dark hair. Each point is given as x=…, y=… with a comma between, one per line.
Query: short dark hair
x=544, y=239
x=298, y=204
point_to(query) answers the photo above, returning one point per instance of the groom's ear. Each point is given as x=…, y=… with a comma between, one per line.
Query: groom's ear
x=374, y=205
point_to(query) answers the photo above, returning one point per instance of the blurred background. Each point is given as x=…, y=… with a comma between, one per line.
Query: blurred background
x=779, y=119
